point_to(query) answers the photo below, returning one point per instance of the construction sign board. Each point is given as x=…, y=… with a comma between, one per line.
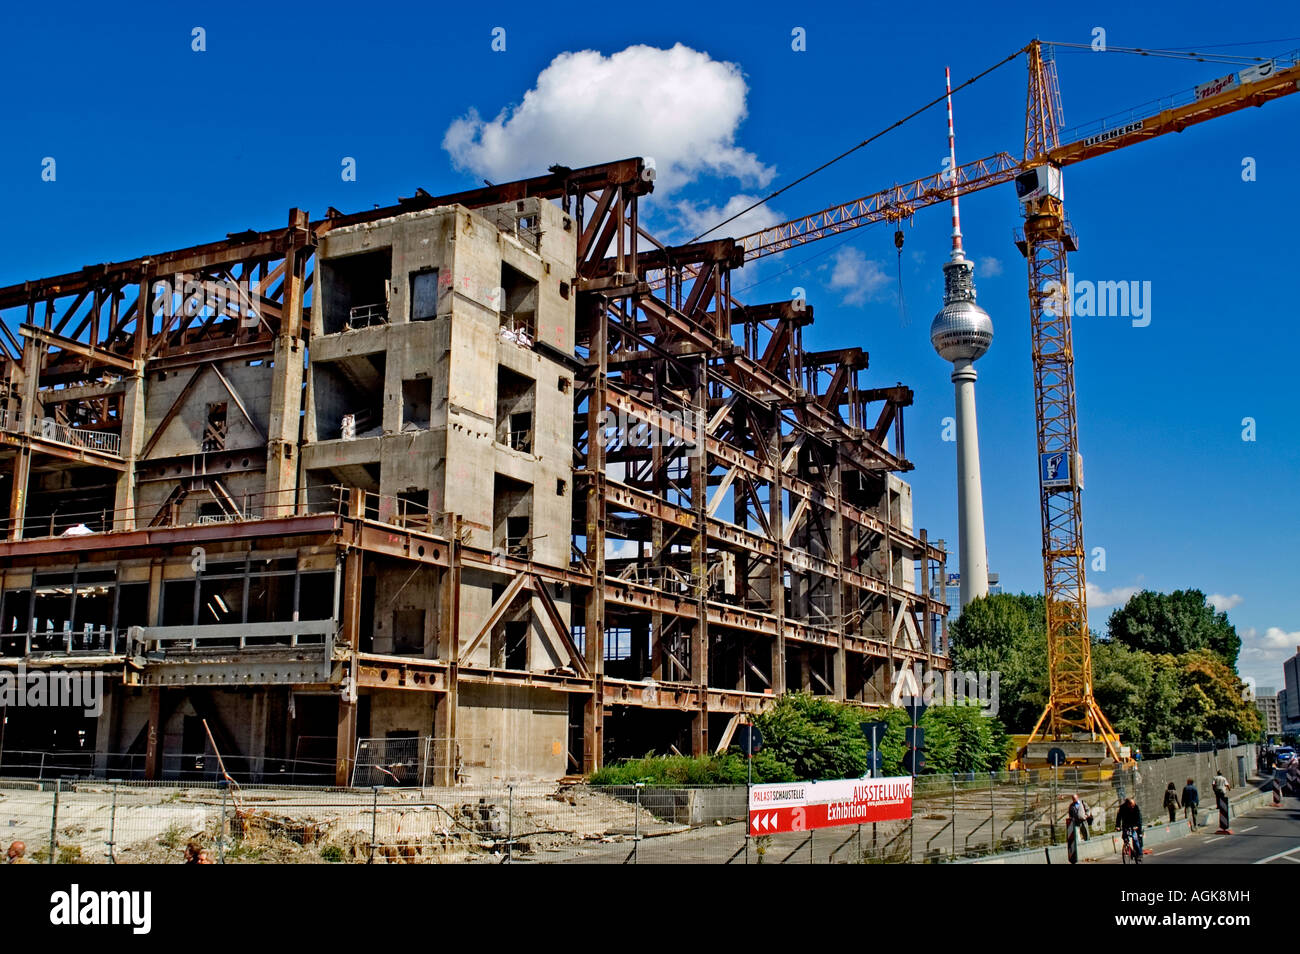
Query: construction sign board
x=1214, y=87
x=802, y=806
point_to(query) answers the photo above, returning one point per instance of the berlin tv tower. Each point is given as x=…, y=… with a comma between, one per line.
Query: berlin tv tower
x=961, y=333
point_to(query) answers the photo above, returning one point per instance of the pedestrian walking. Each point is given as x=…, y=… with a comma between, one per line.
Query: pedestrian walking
x=1077, y=819
x=1191, y=803
x=1171, y=803
x=1221, y=788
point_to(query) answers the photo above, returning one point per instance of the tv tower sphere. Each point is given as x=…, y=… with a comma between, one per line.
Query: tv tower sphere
x=962, y=330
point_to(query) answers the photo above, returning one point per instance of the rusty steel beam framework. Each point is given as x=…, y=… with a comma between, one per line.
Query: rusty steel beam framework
x=742, y=483
x=735, y=530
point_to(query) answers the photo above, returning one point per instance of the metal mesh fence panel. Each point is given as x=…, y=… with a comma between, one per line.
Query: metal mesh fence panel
x=128, y=821
x=388, y=762
x=27, y=815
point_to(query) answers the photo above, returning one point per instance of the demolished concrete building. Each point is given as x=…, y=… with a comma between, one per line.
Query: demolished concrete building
x=485, y=485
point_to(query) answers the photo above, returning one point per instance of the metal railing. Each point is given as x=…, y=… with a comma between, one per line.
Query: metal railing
x=1151, y=108
x=206, y=519
x=517, y=330
x=524, y=227
x=161, y=639
x=367, y=316
x=520, y=440
x=87, y=641
x=321, y=499
x=47, y=429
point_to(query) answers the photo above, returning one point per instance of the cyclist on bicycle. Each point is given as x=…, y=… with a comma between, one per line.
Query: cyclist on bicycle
x=1129, y=821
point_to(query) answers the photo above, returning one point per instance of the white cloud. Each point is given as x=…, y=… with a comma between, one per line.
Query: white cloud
x=990, y=266
x=1099, y=598
x=1223, y=603
x=693, y=219
x=859, y=277
x=1273, y=639
x=1262, y=654
x=679, y=106
x=621, y=549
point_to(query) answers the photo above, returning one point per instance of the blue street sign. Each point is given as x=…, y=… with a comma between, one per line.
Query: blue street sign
x=876, y=729
x=749, y=739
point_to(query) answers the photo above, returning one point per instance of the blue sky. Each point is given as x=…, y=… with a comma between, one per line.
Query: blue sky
x=158, y=146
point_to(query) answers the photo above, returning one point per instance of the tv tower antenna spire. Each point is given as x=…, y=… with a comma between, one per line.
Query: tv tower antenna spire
x=961, y=333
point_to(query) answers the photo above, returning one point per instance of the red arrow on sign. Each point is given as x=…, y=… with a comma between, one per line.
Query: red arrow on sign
x=773, y=821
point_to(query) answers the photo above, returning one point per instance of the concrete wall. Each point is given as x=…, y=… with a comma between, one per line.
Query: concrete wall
x=401, y=588
x=184, y=432
x=1105, y=843
x=397, y=711
x=707, y=805
x=901, y=505
x=527, y=730
x=1155, y=774
x=457, y=456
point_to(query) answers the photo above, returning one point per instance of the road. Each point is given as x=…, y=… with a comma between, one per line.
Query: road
x=1266, y=836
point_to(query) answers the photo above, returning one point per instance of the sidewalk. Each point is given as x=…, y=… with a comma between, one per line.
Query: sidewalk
x=1105, y=843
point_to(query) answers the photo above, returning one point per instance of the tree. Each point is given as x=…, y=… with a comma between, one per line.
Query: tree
x=963, y=739
x=1212, y=704
x=1174, y=623
x=817, y=737
x=1006, y=634
x=998, y=622
x=1160, y=728
x=1122, y=680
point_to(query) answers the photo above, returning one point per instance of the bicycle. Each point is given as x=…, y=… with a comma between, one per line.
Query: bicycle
x=1132, y=852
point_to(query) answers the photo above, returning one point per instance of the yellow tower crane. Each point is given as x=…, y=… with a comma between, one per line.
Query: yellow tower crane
x=1072, y=719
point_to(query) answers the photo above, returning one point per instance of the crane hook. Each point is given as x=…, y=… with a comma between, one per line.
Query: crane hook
x=902, y=303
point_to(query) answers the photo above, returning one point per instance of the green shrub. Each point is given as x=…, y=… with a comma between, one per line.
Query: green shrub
x=817, y=737
x=728, y=769
x=172, y=836
x=70, y=855
x=331, y=853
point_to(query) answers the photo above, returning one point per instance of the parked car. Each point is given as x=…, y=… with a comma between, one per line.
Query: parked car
x=1283, y=756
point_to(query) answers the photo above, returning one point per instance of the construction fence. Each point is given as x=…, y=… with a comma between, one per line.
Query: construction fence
x=954, y=817
x=391, y=762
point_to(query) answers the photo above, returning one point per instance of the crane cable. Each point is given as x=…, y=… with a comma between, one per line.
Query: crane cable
x=865, y=142
x=978, y=76
x=1222, y=58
